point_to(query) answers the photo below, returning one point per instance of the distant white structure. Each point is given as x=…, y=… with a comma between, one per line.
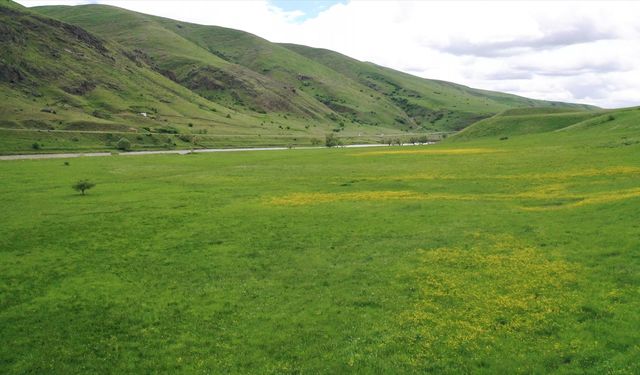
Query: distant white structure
x=143, y=114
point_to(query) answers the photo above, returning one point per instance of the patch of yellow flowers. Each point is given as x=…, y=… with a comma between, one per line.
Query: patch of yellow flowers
x=450, y=151
x=470, y=297
x=542, y=194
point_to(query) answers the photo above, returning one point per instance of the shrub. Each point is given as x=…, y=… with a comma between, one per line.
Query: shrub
x=35, y=146
x=186, y=138
x=332, y=141
x=123, y=144
x=82, y=186
x=167, y=130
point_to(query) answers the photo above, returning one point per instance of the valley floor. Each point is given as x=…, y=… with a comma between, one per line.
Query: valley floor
x=487, y=256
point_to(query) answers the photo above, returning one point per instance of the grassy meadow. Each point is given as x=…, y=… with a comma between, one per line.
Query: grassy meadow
x=484, y=256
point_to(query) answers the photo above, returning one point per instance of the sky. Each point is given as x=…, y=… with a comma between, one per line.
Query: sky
x=583, y=51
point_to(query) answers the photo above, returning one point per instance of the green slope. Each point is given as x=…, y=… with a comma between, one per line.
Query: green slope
x=195, y=65
x=58, y=77
x=433, y=104
x=352, y=91
x=525, y=122
x=63, y=88
x=302, y=86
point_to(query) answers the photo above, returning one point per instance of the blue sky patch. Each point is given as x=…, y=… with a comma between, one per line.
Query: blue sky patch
x=310, y=8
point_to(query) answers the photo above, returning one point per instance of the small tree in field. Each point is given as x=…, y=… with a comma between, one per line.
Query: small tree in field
x=83, y=185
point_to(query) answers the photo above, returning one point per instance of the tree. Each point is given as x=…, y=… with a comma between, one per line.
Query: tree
x=83, y=185
x=332, y=141
x=123, y=144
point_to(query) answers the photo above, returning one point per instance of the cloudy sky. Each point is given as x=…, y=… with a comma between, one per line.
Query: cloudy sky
x=586, y=52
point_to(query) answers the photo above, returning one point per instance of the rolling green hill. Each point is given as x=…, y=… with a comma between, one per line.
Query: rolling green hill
x=518, y=122
x=433, y=104
x=57, y=78
x=82, y=77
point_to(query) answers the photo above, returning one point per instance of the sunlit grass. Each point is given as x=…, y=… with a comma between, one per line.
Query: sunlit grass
x=523, y=260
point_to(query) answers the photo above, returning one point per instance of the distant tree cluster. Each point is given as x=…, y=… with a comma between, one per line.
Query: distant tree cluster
x=332, y=141
x=392, y=141
x=419, y=140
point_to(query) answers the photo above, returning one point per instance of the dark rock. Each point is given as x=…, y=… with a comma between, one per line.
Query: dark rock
x=77, y=32
x=10, y=73
x=83, y=88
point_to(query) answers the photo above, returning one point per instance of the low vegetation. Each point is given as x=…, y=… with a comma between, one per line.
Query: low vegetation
x=82, y=186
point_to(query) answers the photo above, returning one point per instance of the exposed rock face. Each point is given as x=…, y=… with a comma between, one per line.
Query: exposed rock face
x=77, y=32
x=81, y=89
x=10, y=74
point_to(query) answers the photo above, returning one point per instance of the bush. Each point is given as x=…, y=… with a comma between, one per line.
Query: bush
x=167, y=130
x=185, y=138
x=332, y=141
x=35, y=146
x=82, y=186
x=123, y=144
x=315, y=142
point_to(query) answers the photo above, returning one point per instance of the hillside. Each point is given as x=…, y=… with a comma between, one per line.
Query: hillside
x=433, y=104
x=59, y=79
x=93, y=74
x=519, y=122
x=354, y=91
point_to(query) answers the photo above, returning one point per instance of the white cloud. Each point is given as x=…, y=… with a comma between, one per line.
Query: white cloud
x=585, y=52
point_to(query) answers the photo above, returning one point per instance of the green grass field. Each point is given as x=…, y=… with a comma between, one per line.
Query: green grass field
x=485, y=256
